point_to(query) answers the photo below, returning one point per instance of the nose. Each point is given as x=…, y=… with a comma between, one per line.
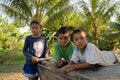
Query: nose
x=79, y=40
x=63, y=40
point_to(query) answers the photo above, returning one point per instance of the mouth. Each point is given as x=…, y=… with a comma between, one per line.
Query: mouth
x=64, y=44
x=80, y=45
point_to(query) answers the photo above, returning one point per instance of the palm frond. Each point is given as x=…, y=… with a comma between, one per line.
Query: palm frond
x=114, y=36
x=23, y=6
x=12, y=12
x=58, y=6
x=94, y=5
x=17, y=9
x=115, y=25
x=45, y=6
x=84, y=6
x=101, y=7
x=48, y=4
x=109, y=11
x=56, y=18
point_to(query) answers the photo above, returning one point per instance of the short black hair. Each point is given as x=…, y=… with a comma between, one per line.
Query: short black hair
x=35, y=22
x=78, y=31
x=62, y=30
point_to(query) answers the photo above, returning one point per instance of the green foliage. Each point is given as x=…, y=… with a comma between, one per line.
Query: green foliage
x=96, y=14
x=3, y=53
x=17, y=58
x=56, y=13
x=109, y=37
x=52, y=14
x=10, y=38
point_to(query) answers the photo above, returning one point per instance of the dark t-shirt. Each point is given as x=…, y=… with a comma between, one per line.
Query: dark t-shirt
x=35, y=46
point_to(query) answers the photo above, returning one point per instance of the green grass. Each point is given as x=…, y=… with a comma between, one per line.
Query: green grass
x=17, y=58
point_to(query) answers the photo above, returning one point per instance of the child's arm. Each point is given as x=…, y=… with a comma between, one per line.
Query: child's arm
x=34, y=59
x=60, y=63
x=68, y=68
x=46, y=49
x=25, y=49
x=65, y=61
x=57, y=55
x=71, y=62
x=47, y=56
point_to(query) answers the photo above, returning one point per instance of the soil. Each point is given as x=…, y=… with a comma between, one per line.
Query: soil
x=11, y=72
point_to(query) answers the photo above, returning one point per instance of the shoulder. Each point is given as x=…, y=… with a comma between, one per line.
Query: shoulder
x=76, y=49
x=71, y=44
x=28, y=37
x=57, y=45
x=43, y=35
x=90, y=45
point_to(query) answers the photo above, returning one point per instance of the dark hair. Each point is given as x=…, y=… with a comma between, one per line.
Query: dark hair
x=79, y=31
x=62, y=30
x=35, y=22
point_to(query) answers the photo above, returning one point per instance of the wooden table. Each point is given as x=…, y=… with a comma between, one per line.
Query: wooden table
x=49, y=72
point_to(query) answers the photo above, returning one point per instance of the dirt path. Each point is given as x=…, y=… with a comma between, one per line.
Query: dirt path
x=11, y=72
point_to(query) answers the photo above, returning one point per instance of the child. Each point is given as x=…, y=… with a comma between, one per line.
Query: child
x=86, y=54
x=64, y=48
x=35, y=47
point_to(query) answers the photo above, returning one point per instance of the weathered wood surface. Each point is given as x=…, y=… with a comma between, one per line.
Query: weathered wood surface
x=98, y=73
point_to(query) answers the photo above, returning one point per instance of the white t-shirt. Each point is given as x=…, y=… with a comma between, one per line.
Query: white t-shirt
x=93, y=55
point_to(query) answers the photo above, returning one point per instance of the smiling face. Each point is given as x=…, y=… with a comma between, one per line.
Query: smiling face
x=80, y=40
x=36, y=29
x=63, y=39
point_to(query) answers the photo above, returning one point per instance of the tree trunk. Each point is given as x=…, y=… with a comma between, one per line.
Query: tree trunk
x=37, y=17
x=95, y=34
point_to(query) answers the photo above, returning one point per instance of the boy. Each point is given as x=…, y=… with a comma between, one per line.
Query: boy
x=64, y=48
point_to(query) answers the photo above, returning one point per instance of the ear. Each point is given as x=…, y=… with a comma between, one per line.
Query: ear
x=57, y=38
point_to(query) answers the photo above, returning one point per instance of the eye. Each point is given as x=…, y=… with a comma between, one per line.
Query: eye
x=82, y=38
x=60, y=38
x=36, y=27
x=75, y=39
x=66, y=38
x=32, y=27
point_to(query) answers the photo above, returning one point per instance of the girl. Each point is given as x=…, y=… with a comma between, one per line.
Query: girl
x=86, y=54
x=35, y=47
x=64, y=47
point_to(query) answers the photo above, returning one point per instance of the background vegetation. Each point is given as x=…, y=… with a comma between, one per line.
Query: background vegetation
x=93, y=15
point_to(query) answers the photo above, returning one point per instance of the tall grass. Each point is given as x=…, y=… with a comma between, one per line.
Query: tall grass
x=16, y=58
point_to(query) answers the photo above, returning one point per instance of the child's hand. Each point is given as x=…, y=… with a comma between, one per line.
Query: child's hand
x=34, y=59
x=67, y=68
x=58, y=63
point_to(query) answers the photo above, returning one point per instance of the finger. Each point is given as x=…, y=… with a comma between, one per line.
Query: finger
x=64, y=71
x=56, y=62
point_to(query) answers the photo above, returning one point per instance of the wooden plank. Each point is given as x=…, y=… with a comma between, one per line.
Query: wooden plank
x=96, y=73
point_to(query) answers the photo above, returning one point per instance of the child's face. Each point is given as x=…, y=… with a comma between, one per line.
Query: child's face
x=35, y=28
x=63, y=39
x=80, y=40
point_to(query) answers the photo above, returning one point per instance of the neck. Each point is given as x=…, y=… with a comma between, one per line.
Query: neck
x=63, y=48
x=83, y=49
x=36, y=35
